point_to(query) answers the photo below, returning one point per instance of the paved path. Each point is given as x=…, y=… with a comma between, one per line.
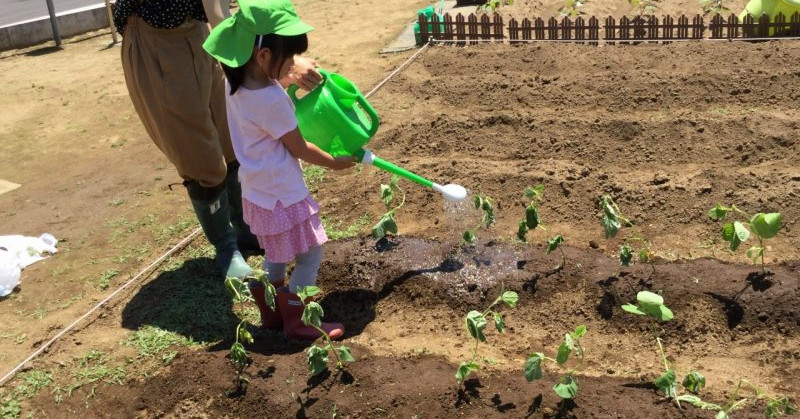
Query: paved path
x=14, y=11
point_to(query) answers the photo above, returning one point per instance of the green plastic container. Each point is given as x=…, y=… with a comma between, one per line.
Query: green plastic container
x=770, y=8
x=335, y=116
x=428, y=12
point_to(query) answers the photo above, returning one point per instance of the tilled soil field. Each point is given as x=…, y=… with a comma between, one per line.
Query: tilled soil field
x=667, y=130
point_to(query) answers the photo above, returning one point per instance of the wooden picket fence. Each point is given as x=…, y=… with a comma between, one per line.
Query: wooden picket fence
x=473, y=29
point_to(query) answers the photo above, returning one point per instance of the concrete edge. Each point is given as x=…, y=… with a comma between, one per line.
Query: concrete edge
x=70, y=23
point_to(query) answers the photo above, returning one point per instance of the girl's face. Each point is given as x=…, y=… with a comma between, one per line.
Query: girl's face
x=264, y=59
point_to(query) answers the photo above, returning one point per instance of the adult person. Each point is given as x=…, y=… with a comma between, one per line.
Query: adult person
x=177, y=90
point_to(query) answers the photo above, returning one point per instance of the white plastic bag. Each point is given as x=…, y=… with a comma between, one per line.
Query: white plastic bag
x=9, y=273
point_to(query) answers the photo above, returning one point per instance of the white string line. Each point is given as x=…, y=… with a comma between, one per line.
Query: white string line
x=155, y=263
x=609, y=41
x=397, y=70
x=163, y=257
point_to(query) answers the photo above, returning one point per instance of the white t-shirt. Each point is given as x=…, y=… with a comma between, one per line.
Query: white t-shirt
x=268, y=172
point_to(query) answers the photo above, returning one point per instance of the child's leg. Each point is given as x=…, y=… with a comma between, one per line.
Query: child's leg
x=305, y=269
x=276, y=272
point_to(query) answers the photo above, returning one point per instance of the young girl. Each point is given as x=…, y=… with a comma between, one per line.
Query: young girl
x=256, y=47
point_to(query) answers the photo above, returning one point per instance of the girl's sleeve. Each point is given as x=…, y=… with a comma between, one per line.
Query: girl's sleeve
x=277, y=117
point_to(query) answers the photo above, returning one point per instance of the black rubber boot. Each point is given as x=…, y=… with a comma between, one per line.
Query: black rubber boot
x=213, y=211
x=248, y=243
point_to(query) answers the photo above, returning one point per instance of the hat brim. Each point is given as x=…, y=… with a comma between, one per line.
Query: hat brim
x=297, y=27
x=230, y=43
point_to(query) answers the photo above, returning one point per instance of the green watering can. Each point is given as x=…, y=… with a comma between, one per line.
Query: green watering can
x=337, y=118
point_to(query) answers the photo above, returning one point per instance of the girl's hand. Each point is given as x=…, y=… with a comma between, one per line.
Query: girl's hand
x=303, y=73
x=343, y=162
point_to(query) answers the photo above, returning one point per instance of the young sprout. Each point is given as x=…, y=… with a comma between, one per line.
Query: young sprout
x=533, y=220
x=317, y=356
x=476, y=322
x=567, y=385
x=774, y=406
x=486, y=205
x=613, y=222
x=765, y=226
x=652, y=305
x=387, y=223
x=240, y=291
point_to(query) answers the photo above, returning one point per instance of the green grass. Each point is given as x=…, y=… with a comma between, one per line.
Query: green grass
x=30, y=383
x=313, y=175
x=335, y=231
x=152, y=342
x=106, y=277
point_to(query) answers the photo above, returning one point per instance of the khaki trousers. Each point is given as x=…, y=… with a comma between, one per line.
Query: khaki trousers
x=178, y=91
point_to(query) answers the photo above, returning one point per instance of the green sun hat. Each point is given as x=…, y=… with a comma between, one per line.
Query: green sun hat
x=232, y=41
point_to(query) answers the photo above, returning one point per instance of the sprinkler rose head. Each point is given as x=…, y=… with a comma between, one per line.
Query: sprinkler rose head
x=451, y=192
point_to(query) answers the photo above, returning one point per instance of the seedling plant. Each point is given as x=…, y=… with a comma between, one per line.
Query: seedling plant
x=567, y=385
x=652, y=305
x=492, y=5
x=476, y=322
x=572, y=8
x=533, y=220
x=486, y=205
x=240, y=291
x=714, y=7
x=317, y=356
x=775, y=406
x=764, y=226
x=633, y=244
x=387, y=223
x=644, y=7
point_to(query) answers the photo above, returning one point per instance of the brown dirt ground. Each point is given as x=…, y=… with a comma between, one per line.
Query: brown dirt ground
x=668, y=130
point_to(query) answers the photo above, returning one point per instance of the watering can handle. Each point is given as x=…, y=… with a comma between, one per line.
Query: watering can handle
x=373, y=116
x=292, y=90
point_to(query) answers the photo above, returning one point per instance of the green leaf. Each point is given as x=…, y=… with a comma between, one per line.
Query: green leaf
x=478, y=201
x=566, y=388
x=244, y=335
x=698, y=402
x=666, y=383
x=718, y=213
x=535, y=192
x=312, y=314
x=611, y=226
x=649, y=298
x=579, y=332
x=499, y=323
x=468, y=237
x=741, y=231
x=532, y=217
x=378, y=231
x=476, y=322
x=344, y=354
x=522, y=231
x=533, y=366
x=552, y=244
x=234, y=287
x=386, y=224
x=694, y=382
x=766, y=226
x=569, y=341
x=510, y=298
x=630, y=308
x=727, y=232
x=722, y=415
x=625, y=255
x=563, y=353
x=307, y=291
x=317, y=359
x=387, y=194
x=238, y=355
x=779, y=407
x=755, y=252
x=465, y=369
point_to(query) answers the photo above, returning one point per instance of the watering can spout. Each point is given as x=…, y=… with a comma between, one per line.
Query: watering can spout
x=450, y=192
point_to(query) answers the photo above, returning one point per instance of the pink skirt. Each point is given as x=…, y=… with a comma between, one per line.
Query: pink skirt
x=286, y=232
